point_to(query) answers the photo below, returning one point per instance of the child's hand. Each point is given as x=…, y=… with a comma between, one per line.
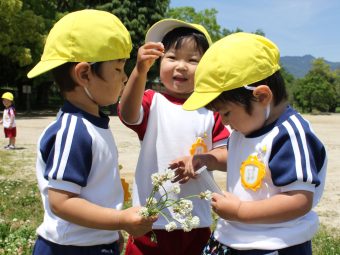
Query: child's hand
x=185, y=168
x=226, y=206
x=147, y=54
x=132, y=222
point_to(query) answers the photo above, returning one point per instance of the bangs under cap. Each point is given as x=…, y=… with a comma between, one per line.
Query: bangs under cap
x=84, y=36
x=158, y=30
x=234, y=61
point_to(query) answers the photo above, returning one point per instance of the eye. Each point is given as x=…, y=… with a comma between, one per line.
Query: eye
x=170, y=57
x=118, y=70
x=226, y=114
x=193, y=60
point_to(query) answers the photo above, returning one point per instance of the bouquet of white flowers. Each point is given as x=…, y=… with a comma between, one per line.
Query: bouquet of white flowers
x=181, y=207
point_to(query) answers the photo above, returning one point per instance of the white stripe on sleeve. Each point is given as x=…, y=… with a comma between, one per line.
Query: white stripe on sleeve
x=57, y=145
x=296, y=150
x=67, y=148
x=305, y=149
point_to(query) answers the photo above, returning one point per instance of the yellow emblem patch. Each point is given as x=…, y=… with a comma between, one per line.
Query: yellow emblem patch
x=252, y=172
x=198, y=147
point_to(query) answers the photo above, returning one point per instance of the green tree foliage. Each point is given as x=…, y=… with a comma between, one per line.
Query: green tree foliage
x=336, y=74
x=206, y=18
x=289, y=83
x=20, y=30
x=24, y=26
x=316, y=92
x=138, y=16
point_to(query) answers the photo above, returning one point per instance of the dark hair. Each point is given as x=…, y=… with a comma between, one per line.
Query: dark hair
x=175, y=38
x=62, y=75
x=245, y=96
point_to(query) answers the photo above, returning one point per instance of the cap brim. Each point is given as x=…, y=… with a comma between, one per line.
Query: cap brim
x=45, y=66
x=161, y=28
x=198, y=100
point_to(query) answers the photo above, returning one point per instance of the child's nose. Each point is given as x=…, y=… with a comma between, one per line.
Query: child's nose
x=182, y=65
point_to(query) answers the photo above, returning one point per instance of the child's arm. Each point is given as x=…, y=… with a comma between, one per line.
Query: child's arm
x=185, y=167
x=11, y=120
x=132, y=96
x=278, y=208
x=70, y=207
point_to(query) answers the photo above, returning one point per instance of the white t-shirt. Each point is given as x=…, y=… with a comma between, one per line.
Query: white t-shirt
x=6, y=119
x=167, y=132
x=77, y=153
x=294, y=159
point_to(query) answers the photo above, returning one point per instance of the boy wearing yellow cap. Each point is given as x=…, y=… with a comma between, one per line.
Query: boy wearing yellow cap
x=169, y=135
x=8, y=120
x=77, y=165
x=276, y=165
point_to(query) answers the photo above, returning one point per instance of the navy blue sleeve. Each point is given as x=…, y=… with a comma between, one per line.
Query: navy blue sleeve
x=66, y=148
x=296, y=154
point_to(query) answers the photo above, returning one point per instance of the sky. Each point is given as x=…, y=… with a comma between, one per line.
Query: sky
x=298, y=27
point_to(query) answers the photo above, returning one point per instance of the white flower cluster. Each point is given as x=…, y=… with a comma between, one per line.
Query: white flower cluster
x=206, y=195
x=181, y=208
x=190, y=223
x=159, y=178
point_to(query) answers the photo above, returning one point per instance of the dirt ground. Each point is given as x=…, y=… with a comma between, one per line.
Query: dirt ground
x=327, y=127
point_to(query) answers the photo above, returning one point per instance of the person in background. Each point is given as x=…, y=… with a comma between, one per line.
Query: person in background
x=170, y=136
x=8, y=120
x=276, y=164
x=77, y=158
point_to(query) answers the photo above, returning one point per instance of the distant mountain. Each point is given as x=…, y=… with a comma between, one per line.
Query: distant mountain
x=299, y=66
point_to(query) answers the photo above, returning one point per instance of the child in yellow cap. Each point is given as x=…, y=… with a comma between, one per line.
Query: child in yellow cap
x=170, y=136
x=276, y=165
x=8, y=120
x=77, y=165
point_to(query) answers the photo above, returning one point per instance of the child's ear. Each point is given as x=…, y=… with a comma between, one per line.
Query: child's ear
x=81, y=73
x=263, y=94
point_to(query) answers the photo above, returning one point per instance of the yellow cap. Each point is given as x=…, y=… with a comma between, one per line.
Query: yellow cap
x=158, y=30
x=232, y=62
x=8, y=95
x=84, y=36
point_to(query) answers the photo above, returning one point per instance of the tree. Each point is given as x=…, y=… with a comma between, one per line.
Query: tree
x=336, y=74
x=24, y=26
x=138, y=16
x=289, y=83
x=21, y=33
x=316, y=91
x=206, y=18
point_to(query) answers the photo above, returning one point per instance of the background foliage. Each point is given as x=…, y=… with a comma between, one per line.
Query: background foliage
x=24, y=26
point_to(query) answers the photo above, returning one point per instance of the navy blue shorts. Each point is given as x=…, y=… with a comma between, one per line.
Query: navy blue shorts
x=214, y=247
x=44, y=247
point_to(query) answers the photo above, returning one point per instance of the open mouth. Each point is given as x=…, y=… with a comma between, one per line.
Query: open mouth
x=179, y=79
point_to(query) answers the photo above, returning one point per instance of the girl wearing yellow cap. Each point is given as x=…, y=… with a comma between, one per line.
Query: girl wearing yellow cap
x=8, y=120
x=169, y=135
